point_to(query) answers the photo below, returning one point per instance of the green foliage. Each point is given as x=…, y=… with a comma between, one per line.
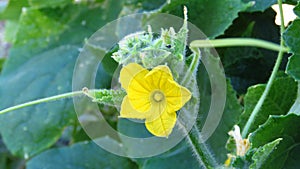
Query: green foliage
x=284, y=127
x=260, y=5
x=2, y=60
x=262, y=153
x=292, y=40
x=107, y=97
x=51, y=30
x=282, y=95
x=225, y=11
x=13, y=9
x=296, y=106
x=51, y=4
x=247, y=66
x=293, y=161
x=291, y=36
x=80, y=155
x=293, y=67
x=46, y=37
x=36, y=128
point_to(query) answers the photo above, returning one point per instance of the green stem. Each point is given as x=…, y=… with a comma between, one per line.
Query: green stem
x=192, y=67
x=238, y=42
x=271, y=79
x=200, y=148
x=201, y=151
x=47, y=99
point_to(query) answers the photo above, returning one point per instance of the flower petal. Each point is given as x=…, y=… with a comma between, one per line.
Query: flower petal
x=127, y=111
x=156, y=110
x=131, y=72
x=158, y=75
x=163, y=125
x=176, y=95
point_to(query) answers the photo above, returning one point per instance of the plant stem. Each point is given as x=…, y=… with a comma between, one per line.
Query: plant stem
x=47, y=99
x=271, y=79
x=238, y=42
x=200, y=150
x=192, y=67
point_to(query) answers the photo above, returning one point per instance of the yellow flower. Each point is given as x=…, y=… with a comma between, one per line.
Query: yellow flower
x=152, y=96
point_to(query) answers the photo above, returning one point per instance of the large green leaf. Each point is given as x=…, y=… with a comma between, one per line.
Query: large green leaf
x=13, y=9
x=292, y=40
x=281, y=97
x=286, y=127
x=221, y=12
x=292, y=36
x=178, y=157
x=31, y=130
x=46, y=3
x=44, y=29
x=86, y=155
x=293, y=161
x=31, y=73
x=260, y=5
x=262, y=153
x=293, y=67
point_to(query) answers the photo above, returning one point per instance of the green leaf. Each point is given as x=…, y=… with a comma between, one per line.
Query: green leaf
x=293, y=162
x=221, y=12
x=42, y=28
x=178, y=157
x=11, y=28
x=281, y=97
x=292, y=36
x=292, y=40
x=285, y=127
x=36, y=32
x=13, y=9
x=262, y=153
x=293, y=67
x=296, y=106
x=36, y=128
x=30, y=73
x=86, y=155
x=260, y=5
x=293, y=2
x=297, y=9
x=46, y=3
x=107, y=97
x=2, y=60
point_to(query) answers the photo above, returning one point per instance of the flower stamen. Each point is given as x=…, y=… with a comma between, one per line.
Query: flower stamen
x=158, y=96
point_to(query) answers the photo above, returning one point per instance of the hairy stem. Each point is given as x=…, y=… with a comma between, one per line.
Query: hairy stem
x=238, y=42
x=47, y=99
x=200, y=149
x=202, y=153
x=192, y=68
x=271, y=79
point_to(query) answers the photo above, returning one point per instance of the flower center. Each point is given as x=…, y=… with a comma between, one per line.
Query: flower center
x=158, y=96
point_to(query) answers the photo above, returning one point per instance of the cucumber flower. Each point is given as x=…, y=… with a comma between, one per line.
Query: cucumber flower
x=242, y=145
x=152, y=96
